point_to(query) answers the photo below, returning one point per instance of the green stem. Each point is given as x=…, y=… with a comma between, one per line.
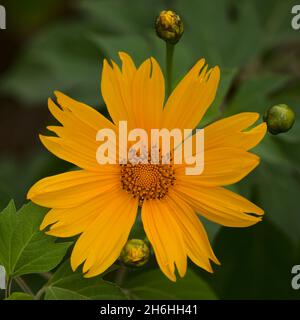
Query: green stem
x=121, y=274
x=169, y=66
x=40, y=293
x=8, y=287
x=24, y=286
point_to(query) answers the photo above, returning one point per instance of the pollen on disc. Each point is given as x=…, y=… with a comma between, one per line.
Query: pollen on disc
x=147, y=181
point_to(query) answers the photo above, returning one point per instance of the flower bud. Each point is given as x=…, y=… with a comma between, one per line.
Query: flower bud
x=135, y=253
x=279, y=118
x=169, y=26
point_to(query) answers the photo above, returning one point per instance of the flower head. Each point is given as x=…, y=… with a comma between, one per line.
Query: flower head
x=99, y=202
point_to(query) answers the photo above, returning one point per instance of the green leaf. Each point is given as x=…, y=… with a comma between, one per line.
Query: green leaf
x=271, y=152
x=278, y=192
x=205, y=21
x=154, y=285
x=275, y=15
x=52, y=58
x=23, y=248
x=16, y=176
x=256, y=263
x=68, y=285
x=115, y=17
x=19, y=296
x=253, y=94
x=275, y=186
x=135, y=45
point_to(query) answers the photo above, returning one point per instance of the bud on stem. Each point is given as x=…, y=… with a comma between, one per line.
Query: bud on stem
x=168, y=26
x=135, y=253
x=279, y=118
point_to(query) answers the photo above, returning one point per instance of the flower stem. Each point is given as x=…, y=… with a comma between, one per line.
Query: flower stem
x=121, y=275
x=169, y=66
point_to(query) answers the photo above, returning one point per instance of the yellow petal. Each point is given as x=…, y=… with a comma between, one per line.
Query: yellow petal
x=222, y=166
x=165, y=236
x=229, y=132
x=70, y=189
x=148, y=95
x=115, y=88
x=69, y=151
x=72, y=221
x=220, y=205
x=195, y=237
x=101, y=243
x=76, y=140
x=89, y=116
x=128, y=66
x=191, y=98
x=134, y=95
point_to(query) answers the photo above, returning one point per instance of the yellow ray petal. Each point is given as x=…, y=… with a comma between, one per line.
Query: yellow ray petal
x=230, y=132
x=117, y=89
x=69, y=151
x=148, y=95
x=86, y=114
x=221, y=205
x=114, y=92
x=191, y=98
x=80, y=138
x=222, y=166
x=249, y=139
x=101, y=244
x=128, y=66
x=70, y=189
x=72, y=221
x=165, y=236
x=236, y=123
x=77, y=138
x=195, y=237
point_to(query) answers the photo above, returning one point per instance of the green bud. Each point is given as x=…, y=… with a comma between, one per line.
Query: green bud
x=169, y=26
x=279, y=118
x=135, y=253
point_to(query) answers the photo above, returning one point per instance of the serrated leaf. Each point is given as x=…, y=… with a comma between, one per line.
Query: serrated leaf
x=68, y=285
x=154, y=285
x=23, y=248
x=19, y=296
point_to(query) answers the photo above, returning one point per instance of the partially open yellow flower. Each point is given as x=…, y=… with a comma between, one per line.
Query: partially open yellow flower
x=100, y=202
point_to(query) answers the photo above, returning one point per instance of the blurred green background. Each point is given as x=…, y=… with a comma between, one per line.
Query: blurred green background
x=59, y=45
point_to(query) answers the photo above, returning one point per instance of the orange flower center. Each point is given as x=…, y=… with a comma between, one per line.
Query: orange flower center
x=147, y=181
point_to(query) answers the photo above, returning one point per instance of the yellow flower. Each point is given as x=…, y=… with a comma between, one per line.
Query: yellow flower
x=97, y=202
